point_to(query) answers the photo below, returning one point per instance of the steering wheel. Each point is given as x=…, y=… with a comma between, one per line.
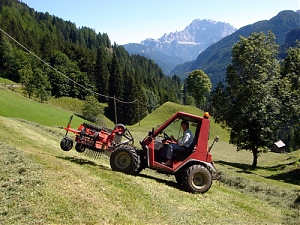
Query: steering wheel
x=166, y=136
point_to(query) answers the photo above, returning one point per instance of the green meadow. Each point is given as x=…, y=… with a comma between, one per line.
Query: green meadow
x=41, y=184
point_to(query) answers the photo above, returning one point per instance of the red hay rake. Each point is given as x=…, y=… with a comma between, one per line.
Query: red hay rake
x=96, y=139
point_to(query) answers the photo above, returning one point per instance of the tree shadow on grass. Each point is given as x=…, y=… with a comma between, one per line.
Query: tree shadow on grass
x=292, y=176
x=81, y=161
x=244, y=168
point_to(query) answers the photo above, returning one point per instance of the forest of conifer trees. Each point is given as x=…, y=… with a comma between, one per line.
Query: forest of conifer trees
x=82, y=55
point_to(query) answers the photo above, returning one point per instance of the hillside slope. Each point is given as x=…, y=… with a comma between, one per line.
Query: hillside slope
x=42, y=184
x=15, y=105
x=165, y=111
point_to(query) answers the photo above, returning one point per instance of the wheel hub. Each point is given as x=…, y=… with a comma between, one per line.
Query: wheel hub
x=198, y=180
x=123, y=160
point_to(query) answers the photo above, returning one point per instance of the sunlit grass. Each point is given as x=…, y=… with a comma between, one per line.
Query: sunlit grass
x=49, y=186
x=40, y=183
x=17, y=106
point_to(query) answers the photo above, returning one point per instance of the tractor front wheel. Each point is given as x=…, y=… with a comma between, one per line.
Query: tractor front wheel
x=66, y=144
x=125, y=159
x=196, y=178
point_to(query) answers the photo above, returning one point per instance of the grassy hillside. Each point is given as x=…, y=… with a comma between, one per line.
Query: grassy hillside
x=55, y=113
x=17, y=106
x=58, y=111
x=165, y=111
x=6, y=81
x=42, y=184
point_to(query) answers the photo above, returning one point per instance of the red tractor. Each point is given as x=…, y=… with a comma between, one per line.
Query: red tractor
x=194, y=169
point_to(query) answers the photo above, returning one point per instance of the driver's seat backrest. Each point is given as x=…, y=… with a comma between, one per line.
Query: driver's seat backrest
x=192, y=146
x=183, y=155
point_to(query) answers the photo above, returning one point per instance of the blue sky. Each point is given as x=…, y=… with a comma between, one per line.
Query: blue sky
x=131, y=21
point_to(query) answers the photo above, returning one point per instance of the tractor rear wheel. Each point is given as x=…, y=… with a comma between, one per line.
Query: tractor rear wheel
x=66, y=144
x=125, y=159
x=196, y=178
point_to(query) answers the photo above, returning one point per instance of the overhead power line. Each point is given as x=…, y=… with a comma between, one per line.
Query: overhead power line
x=57, y=71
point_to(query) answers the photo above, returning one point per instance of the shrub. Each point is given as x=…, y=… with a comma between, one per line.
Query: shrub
x=91, y=108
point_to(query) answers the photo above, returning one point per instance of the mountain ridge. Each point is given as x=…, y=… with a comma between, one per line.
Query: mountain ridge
x=214, y=60
x=185, y=44
x=190, y=36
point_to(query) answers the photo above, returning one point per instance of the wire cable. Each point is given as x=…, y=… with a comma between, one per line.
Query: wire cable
x=57, y=71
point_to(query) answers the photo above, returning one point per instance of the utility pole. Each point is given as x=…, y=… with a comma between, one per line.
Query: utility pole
x=139, y=112
x=115, y=104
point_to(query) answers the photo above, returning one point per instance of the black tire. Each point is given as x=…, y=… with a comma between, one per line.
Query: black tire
x=66, y=144
x=178, y=177
x=143, y=163
x=80, y=147
x=196, y=178
x=125, y=159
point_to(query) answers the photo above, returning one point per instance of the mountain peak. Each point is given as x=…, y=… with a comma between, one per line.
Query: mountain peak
x=200, y=32
x=196, y=21
x=191, y=41
x=214, y=60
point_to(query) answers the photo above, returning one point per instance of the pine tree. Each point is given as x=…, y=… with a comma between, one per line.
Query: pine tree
x=116, y=89
x=130, y=94
x=101, y=74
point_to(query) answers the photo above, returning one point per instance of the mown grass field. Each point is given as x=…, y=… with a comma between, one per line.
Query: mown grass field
x=41, y=184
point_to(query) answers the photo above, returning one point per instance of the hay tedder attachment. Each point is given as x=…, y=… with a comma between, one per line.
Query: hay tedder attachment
x=96, y=139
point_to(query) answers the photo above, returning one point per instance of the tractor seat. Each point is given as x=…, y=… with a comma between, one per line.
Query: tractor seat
x=180, y=156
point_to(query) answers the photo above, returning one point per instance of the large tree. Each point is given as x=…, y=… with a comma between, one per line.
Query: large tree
x=42, y=85
x=289, y=92
x=91, y=108
x=198, y=84
x=248, y=104
x=35, y=82
x=27, y=81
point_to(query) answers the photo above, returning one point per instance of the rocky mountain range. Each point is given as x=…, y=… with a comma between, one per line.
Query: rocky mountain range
x=215, y=59
x=181, y=46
